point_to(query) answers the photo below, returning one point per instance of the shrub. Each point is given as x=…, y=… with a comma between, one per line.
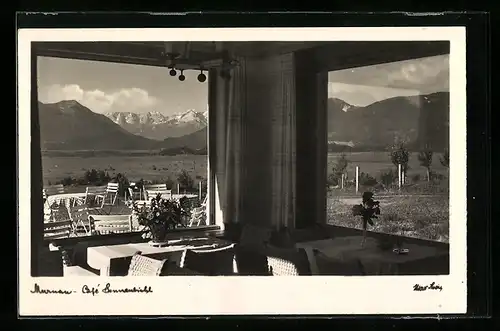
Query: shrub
x=388, y=177
x=415, y=178
x=96, y=177
x=123, y=182
x=425, y=159
x=185, y=180
x=367, y=180
x=338, y=169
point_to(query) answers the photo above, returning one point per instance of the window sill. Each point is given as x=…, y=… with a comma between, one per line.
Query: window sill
x=209, y=230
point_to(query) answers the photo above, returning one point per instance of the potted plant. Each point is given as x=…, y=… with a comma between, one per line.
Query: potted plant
x=159, y=217
x=368, y=210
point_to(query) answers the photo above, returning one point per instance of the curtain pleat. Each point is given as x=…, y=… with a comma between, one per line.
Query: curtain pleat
x=236, y=129
x=283, y=136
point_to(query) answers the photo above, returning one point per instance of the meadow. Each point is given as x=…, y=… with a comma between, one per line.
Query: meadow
x=134, y=167
x=420, y=209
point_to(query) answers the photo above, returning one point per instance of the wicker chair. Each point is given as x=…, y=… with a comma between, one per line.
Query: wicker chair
x=145, y=266
x=211, y=262
x=287, y=262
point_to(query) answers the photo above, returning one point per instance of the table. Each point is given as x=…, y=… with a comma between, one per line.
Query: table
x=65, y=198
x=100, y=257
x=373, y=260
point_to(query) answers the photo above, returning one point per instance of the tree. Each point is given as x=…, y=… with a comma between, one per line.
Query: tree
x=445, y=159
x=340, y=167
x=185, y=180
x=425, y=159
x=400, y=155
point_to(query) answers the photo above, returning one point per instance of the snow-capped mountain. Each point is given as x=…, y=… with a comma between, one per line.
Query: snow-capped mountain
x=155, y=125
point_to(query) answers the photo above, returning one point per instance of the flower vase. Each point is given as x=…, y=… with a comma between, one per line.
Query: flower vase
x=158, y=236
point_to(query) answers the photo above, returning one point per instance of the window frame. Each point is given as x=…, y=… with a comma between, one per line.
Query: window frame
x=37, y=227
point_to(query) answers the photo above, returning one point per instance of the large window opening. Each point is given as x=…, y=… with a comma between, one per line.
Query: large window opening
x=388, y=133
x=116, y=133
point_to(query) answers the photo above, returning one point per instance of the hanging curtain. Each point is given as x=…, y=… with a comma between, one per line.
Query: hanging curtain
x=283, y=142
x=229, y=106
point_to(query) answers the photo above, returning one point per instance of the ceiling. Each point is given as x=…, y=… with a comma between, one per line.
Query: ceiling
x=196, y=55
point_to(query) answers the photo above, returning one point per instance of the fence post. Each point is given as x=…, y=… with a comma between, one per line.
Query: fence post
x=357, y=179
x=178, y=189
x=342, y=182
x=399, y=176
x=199, y=196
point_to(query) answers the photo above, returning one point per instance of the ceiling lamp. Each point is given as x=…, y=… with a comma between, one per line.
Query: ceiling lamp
x=201, y=77
x=181, y=76
x=172, y=72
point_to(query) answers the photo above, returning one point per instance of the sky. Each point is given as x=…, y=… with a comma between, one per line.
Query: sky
x=108, y=87
x=366, y=85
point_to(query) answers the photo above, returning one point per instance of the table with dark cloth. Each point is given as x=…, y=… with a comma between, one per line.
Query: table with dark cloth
x=327, y=255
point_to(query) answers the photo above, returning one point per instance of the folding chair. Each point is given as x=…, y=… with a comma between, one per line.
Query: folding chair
x=111, y=192
x=106, y=224
x=57, y=229
x=199, y=214
x=48, y=191
x=94, y=194
x=150, y=191
x=79, y=216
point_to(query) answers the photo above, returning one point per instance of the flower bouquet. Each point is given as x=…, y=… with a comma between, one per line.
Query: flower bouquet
x=368, y=210
x=158, y=217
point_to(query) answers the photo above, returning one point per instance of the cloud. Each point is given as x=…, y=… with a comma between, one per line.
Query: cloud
x=130, y=99
x=363, y=95
x=426, y=75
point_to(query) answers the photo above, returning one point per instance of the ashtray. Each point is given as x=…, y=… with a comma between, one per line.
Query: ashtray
x=401, y=250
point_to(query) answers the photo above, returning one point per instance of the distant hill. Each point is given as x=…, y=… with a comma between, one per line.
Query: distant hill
x=68, y=125
x=196, y=141
x=421, y=120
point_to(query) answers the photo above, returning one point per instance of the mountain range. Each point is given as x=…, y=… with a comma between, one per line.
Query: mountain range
x=155, y=125
x=422, y=120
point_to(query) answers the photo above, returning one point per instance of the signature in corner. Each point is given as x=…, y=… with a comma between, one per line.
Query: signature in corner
x=431, y=286
x=39, y=290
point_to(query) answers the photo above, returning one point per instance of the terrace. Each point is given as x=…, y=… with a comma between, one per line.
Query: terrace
x=267, y=135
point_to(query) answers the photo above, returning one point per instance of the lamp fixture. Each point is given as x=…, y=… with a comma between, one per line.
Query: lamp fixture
x=181, y=76
x=201, y=77
x=172, y=72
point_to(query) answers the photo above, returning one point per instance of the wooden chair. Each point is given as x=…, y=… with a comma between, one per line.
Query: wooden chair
x=57, y=229
x=48, y=191
x=150, y=191
x=79, y=215
x=211, y=262
x=98, y=193
x=145, y=266
x=111, y=193
x=106, y=224
x=52, y=190
x=199, y=214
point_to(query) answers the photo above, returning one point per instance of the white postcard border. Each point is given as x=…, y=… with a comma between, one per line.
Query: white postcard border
x=254, y=295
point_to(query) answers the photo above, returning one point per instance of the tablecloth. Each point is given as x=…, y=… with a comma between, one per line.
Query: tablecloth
x=372, y=259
